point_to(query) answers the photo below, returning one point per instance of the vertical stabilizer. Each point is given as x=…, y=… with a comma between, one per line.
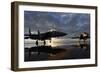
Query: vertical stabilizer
x=39, y=33
x=29, y=32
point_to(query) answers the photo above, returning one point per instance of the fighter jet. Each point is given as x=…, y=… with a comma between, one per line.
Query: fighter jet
x=83, y=36
x=44, y=36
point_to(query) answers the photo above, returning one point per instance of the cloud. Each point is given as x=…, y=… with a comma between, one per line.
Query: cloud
x=72, y=23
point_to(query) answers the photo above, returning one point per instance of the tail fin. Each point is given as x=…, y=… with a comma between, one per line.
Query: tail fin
x=38, y=32
x=29, y=32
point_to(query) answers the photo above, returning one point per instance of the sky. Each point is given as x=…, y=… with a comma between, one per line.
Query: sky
x=71, y=23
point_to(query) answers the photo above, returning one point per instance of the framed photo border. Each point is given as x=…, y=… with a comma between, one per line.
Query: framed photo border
x=14, y=35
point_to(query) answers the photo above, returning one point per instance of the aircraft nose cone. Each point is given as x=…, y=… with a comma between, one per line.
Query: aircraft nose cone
x=64, y=34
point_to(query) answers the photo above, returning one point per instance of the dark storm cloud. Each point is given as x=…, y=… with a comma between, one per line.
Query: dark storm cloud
x=71, y=23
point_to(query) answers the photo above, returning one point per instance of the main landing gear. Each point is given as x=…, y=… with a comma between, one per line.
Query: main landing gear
x=38, y=43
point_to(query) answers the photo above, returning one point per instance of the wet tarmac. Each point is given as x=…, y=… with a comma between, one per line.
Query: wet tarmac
x=44, y=53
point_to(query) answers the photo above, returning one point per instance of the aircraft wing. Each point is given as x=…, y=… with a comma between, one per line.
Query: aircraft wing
x=77, y=37
x=74, y=37
x=26, y=36
x=32, y=36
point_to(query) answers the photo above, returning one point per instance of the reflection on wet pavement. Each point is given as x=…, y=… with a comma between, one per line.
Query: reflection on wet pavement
x=40, y=53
